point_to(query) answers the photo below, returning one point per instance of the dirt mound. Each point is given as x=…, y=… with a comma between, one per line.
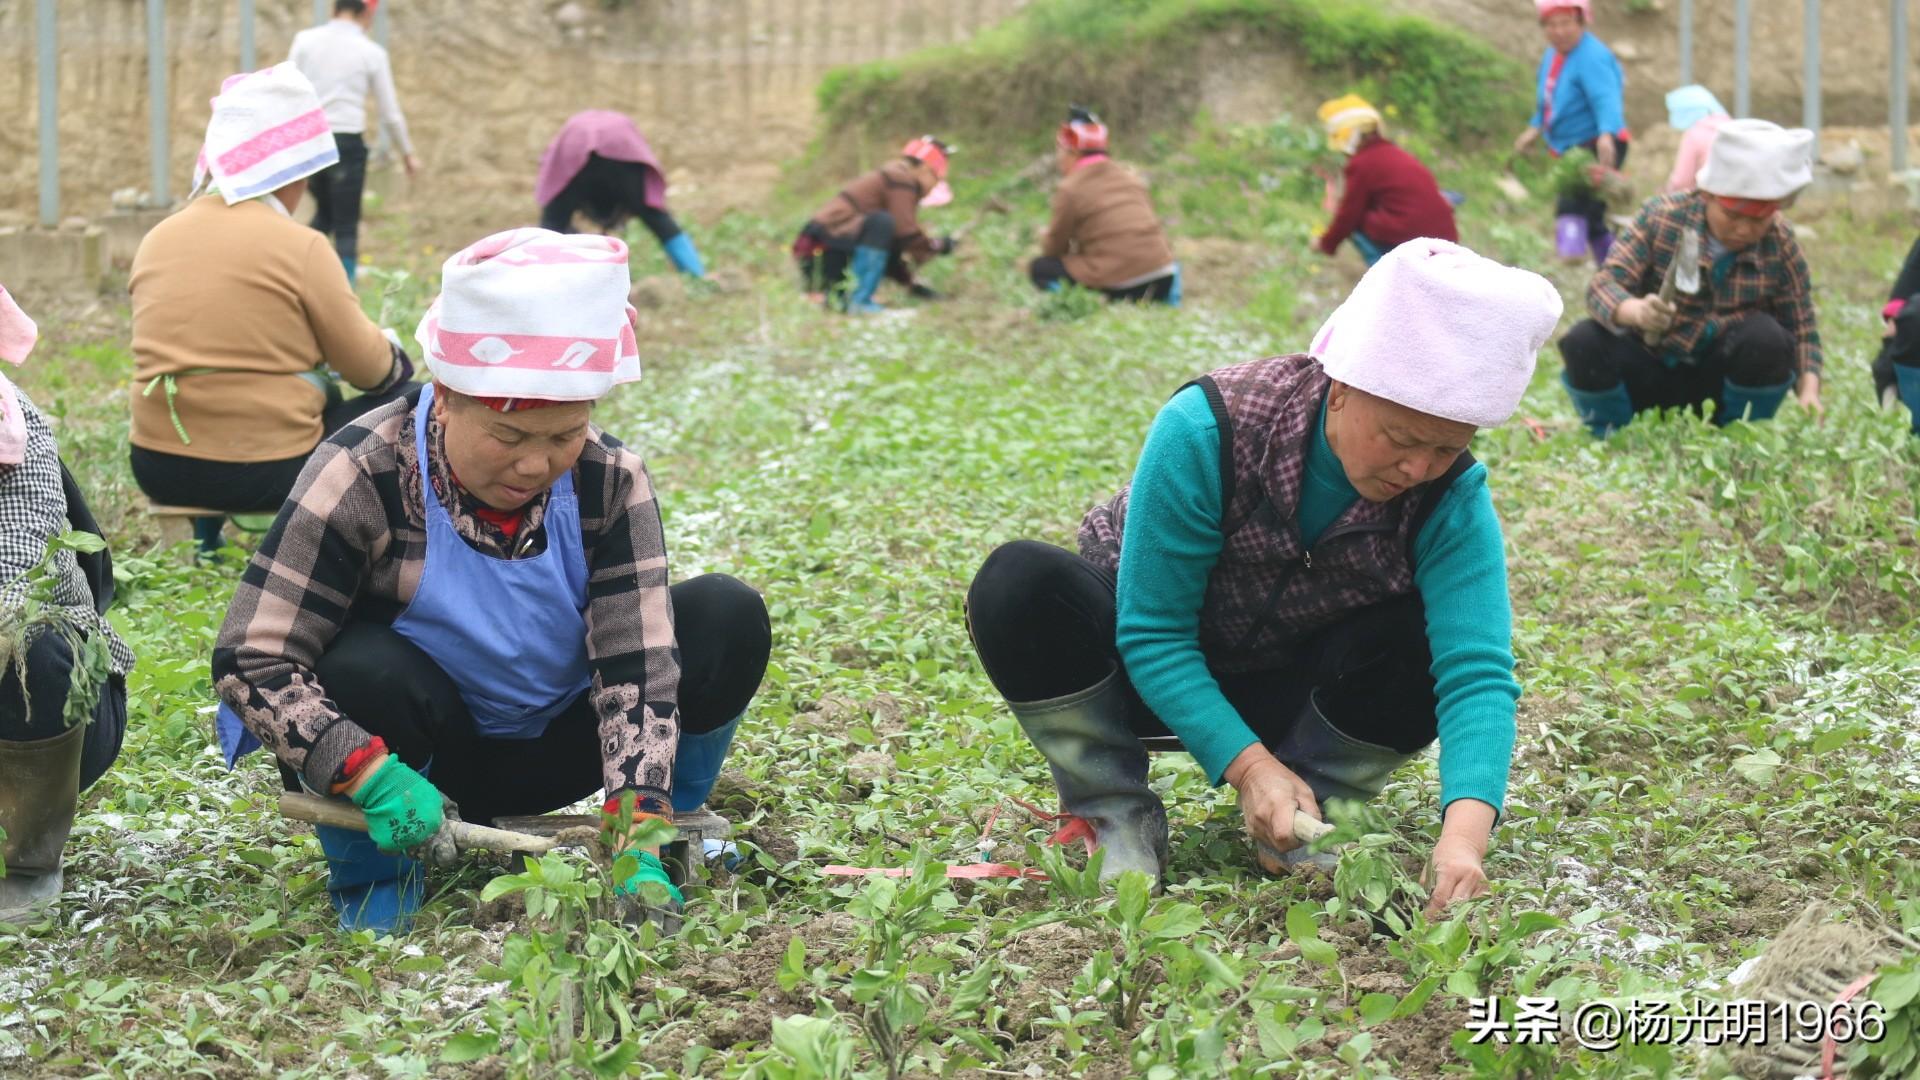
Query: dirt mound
x=723, y=88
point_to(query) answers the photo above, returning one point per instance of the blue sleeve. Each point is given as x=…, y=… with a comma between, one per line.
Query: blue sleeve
x=1461, y=572
x=1168, y=547
x=1606, y=88
x=1540, y=90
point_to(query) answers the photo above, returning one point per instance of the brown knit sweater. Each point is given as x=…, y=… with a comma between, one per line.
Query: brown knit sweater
x=895, y=187
x=235, y=302
x=1104, y=228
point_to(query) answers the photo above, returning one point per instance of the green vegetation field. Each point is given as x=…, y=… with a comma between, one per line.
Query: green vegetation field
x=1715, y=631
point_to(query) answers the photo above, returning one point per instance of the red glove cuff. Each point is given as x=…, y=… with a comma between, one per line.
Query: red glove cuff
x=643, y=807
x=356, y=762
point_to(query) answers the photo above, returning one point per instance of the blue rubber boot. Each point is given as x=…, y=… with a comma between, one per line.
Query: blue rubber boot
x=207, y=531
x=353, y=268
x=869, y=264
x=1908, y=380
x=697, y=765
x=1173, y=294
x=683, y=255
x=1749, y=402
x=370, y=889
x=1603, y=411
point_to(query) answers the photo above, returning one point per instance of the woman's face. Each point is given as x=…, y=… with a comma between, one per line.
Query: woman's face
x=1387, y=448
x=1563, y=29
x=505, y=459
x=1737, y=231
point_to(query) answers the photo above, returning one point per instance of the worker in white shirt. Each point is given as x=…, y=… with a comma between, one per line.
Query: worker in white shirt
x=345, y=66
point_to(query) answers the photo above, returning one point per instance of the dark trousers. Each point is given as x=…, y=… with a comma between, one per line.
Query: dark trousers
x=1755, y=351
x=49, y=674
x=1591, y=206
x=608, y=192
x=1903, y=348
x=1043, y=623
x=244, y=487
x=393, y=689
x=1047, y=273
x=336, y=192
x=826, y=262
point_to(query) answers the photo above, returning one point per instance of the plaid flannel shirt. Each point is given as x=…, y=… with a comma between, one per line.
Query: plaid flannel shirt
x=1770, y=277
x=33, y=510
x=352, y=540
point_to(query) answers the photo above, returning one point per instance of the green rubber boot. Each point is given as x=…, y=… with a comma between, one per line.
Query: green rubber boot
x=1100, y=769
x=39, y=792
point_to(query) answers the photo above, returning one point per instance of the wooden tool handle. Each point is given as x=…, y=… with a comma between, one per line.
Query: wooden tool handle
x=299, y=806
x=1306, y=830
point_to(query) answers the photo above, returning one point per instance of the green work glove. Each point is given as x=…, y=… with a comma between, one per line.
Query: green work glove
x=402, y=807
x=650, y=870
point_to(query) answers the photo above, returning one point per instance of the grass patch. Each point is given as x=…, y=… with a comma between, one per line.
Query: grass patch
x=1141, y=63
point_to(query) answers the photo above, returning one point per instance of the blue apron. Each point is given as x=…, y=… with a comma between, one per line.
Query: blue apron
x=511, y=633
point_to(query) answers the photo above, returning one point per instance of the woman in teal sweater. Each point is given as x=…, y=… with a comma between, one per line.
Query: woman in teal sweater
x=1304, y=582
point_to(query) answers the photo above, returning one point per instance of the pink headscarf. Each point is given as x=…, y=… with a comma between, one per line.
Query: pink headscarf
x=1545, y=8
x=529, y=313
x=17, y=335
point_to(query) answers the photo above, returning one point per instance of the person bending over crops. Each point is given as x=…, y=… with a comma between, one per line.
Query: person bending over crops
x=1387, y=196
x=1304, y=580
x=237, y=312
x=1578, y=105
x=467, y=593
x=1104, y=234
x=1896, y=370
x=872, y=228
x=1744, y=335
x=63, y=669
x=1696, y=114
x=601, y=166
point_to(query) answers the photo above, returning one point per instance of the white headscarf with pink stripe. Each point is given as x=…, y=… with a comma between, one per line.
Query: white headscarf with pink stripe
x=530, y=313
x=267, y=131
x=17, y=335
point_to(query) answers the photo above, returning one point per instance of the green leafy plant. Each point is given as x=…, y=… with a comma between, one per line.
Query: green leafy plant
x=31, y=612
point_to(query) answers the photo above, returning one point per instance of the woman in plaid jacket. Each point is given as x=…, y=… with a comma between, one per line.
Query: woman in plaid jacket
x=1746, y=335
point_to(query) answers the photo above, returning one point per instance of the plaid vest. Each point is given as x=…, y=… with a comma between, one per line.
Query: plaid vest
x=1268, y=591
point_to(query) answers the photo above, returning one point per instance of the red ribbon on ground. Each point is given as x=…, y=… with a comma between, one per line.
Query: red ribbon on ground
x=963, y=870
x=1828, y=1049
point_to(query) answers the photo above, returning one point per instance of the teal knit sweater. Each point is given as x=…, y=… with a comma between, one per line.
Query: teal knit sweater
x=1172, y=539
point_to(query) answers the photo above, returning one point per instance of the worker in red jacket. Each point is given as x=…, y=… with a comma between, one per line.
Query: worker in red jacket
x=1387, y=196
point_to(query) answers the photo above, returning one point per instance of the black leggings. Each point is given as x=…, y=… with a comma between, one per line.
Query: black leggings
x=396, y=691
x=337, y=191
x=828, y=264
x=1043, y=622
x=49, y=672
x=244, y=487
x=608, y=192
x=1755, y=351
x=1046, y=272
x=1592, y=206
